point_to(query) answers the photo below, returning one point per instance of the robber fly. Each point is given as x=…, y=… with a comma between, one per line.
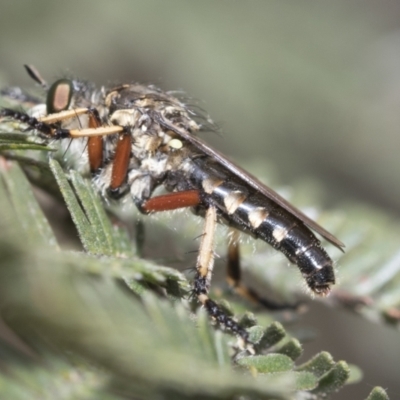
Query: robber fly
x=139, y=138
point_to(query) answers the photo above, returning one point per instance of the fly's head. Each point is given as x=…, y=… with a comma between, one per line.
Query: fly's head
x=68, y=94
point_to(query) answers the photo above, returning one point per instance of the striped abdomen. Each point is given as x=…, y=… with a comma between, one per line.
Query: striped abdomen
x=242, y=207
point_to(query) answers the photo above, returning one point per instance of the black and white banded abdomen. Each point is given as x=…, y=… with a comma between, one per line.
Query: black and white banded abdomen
x=241, y=207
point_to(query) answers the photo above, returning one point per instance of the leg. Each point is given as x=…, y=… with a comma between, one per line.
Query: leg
x=139, y=237
x=171, y=201
x=205, y=260
x=48, y=125
x=234, y=277
x=95, y=144
x=120, y=164
x=33, y=123
x=204, y=267
x=95, y=134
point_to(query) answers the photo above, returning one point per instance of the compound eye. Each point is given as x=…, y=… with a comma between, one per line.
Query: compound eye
x=59, y=96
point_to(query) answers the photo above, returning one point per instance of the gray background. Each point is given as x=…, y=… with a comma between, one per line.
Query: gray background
x=311, y=88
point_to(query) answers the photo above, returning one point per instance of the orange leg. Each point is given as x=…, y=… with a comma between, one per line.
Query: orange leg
x=120, y=163
x=166, y=202
x=172, y=201
x=95, y=145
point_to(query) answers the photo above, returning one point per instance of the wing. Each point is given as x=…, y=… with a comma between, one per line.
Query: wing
x=254, y=183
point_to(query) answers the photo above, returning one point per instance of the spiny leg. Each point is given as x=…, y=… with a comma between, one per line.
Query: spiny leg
x=47, y=125
x=204, y=267
x=205, y=260
x=93, y=131
x=32, y=122
x=234, y=276
x=95, y=134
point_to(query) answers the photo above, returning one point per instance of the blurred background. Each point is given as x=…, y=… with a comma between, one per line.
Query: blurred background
x=310, y=88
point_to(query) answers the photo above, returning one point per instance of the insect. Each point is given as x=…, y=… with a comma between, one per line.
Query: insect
x=139, y=138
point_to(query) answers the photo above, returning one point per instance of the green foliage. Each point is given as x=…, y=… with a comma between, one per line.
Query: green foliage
x=378, y=393
x=96, y=329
